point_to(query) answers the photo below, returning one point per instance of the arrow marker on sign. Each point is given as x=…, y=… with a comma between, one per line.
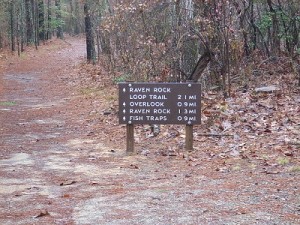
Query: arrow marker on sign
x=124, y=118
x=124, y=89
x=124, y=104
x=124, y=111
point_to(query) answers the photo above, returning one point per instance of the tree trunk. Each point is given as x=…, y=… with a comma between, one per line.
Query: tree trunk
x=41, y=16
x=176, y=24
x=34, y=22
x=29, y=24
x=49, y=30
x=254, y=29
x=59, y=32
x=36, y=18
x=77, y=16
x=12, y=27
x=90, y=47
x=99, y=50
x=22, y=24
x=275, y=40
x=18, y=32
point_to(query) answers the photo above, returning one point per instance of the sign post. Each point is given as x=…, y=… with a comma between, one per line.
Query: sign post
x=189, y=137
x=159, y=103
x=130, y=139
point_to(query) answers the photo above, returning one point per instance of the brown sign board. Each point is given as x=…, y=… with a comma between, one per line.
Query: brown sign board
x=159, y=103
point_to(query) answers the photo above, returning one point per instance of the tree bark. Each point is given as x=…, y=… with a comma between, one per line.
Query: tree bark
x=59, y=32
x=90, y=47
x=12, y=27
x=29, y=24
x=36, y=22
x=77, y=16
x=41, y=16
x=275, y=40
x=23, y=25
x=49, y=30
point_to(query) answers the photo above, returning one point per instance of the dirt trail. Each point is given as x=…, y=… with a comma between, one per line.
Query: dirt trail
x=53, y=171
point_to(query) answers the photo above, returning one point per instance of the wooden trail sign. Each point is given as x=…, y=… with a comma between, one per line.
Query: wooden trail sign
x=159, y=103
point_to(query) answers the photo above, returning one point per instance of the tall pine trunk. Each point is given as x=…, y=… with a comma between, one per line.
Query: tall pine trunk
x=41, y=16
x=77, y=16
x=59, y=32
x=29, y=23
x=49, y=30
x=12, y=27
x=90, y=47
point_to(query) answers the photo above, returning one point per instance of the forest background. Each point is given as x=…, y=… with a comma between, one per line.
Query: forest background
x=217, y=42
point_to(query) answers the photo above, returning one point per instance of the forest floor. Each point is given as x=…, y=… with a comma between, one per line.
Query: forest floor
x=63, y=160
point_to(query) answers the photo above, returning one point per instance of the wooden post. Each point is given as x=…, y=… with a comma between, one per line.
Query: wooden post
x=130, y=139
x=189, y=137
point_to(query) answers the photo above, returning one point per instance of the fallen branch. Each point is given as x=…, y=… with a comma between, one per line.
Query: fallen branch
x=201, y=65
x=216, y=135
